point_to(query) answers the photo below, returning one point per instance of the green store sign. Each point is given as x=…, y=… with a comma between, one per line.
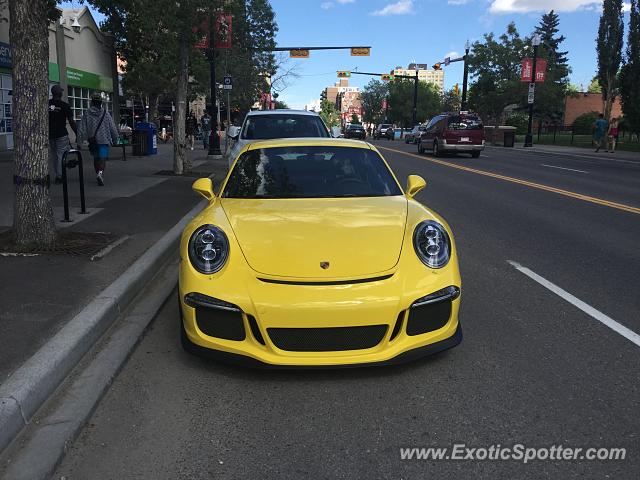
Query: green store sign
x=80, y=78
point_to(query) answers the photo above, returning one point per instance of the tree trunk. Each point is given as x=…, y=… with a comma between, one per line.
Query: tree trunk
x=154, y=101
x=180, y=161
x=33, y=221
x=608, y=103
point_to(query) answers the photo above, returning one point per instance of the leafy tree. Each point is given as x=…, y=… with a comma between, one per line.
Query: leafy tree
x=371, y=97
x=451, y=101
x=354, y=118
x=584, y=123
x=494, y=65
x=550, y=95
x=281, y=104
x=329, y=113
x=630, y=75
x=594, y=86
x=518, y=120
x=609, y=48
x=401, y=101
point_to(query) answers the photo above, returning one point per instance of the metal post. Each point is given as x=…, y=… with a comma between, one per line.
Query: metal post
x=465, y=77
x=83, y=206
x=65, y=191
x=415, y=100
x=214, y=138
x=528, y=141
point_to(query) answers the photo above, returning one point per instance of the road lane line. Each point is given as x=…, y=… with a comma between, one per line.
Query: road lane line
x=586, y=308
x=563, y=168
x=539, y=186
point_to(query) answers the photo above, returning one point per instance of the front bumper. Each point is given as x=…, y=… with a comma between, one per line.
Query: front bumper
x=320, y=326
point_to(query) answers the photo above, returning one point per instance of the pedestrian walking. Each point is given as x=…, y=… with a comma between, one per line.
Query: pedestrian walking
x=59, y=114
x=205, y=123
x=191, y=128
x=599, y=131
x=98, y=128
x=612, y=135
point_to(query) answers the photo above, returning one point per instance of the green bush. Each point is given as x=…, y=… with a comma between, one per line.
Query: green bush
x=584, y=123
x=519, y=121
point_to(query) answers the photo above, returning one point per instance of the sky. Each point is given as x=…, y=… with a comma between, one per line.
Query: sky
x=422, y=31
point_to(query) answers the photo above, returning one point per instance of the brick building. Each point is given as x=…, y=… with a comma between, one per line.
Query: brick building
x=585, y=103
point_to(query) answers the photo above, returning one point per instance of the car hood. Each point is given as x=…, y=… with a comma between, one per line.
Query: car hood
x=357, y=237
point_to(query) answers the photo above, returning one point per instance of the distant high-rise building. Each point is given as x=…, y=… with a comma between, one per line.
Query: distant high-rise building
x=435, y=77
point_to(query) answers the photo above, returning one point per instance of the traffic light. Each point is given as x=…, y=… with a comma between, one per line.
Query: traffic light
x=386, y=77
x=344, y=73
x=436, y=66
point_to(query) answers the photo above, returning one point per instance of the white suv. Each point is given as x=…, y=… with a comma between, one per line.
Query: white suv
x=267, y=124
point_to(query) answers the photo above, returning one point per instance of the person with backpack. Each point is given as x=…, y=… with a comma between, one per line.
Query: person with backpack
x=59, y=115
x=205, y=123
x=98, y=128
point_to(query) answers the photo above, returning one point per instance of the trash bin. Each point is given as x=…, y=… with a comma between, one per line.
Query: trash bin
x=509, y=138
x=151, y=136
x=140, y=142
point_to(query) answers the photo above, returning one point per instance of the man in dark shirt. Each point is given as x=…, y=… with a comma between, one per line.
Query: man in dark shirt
x=59, y=114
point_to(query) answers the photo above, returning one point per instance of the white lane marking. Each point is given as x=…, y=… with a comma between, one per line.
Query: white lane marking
x=588, y=309
x=563, y=168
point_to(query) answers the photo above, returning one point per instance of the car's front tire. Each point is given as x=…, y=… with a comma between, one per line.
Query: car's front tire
x=420, y=147
x=436, y=149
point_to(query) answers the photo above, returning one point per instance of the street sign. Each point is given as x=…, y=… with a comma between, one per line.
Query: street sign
x=532, y=91
x=447, y=61
x=360, y=52
x=299, y=53
x=227, y=82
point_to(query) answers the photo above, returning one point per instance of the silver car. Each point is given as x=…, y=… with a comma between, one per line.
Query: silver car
x=267, y=124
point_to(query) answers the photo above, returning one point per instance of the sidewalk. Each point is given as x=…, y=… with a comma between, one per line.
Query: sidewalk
x=39, y=295
x=578, y=152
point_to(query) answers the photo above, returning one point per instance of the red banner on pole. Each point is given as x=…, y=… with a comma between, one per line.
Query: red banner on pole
x=527, y=68
x=222, y=28
x=202, y=31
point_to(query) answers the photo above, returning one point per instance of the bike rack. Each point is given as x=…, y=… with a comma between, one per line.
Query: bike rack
x=65, y=192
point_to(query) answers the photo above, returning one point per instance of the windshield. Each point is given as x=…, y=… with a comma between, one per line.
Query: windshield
x=310, y=172
x=464, y=123
x=259, y=127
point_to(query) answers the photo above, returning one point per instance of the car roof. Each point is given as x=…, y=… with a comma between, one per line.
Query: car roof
x=282, y=111
x=308, y=142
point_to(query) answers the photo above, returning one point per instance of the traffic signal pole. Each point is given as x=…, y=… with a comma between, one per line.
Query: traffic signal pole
x=409, y=77
x=465, y=77
x=528, y=139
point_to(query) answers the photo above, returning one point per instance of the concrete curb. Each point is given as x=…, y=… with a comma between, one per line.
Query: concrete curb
x=24, y=392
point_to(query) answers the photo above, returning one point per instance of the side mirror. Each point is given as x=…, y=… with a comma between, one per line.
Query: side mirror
x=204, y=186
x=233, y=132
x=415, y=183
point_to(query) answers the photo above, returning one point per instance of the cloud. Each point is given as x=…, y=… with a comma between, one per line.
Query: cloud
x=401, y=7
x=526, y=6
x=326, y=5
x=457, y=2
x=345, y=1
x=453, y=54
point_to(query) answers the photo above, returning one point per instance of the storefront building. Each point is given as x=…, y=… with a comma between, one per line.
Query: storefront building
x=82, y=60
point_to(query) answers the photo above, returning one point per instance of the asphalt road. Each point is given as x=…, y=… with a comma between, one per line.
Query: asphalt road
x=533, y=368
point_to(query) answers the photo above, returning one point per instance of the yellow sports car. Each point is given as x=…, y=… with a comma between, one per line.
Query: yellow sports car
x=312, y=255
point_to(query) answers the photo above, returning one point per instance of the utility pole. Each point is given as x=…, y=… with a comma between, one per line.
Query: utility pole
x=528, y=141
x=415, y=99
x=465, y=76
x=214, y=138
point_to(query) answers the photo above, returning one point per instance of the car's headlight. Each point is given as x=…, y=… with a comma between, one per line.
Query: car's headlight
x=431, y=243
x=208, y=249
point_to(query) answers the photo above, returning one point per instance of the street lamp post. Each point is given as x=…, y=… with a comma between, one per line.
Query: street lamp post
x=415, y=99
x=463, y=103
x=528, y=141
x=214, y=139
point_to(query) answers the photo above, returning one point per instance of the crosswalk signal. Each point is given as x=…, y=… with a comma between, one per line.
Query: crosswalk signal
x=436, y=66
x=344, y=74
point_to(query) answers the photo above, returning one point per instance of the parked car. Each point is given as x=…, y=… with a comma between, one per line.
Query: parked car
x=381, y=130
x=414, y=134
x=453, y=132
x=313, y=255
x=268, y=124
x=355, y=130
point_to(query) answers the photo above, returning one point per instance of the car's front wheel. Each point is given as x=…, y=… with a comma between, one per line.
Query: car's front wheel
x=420, y=147
x=436, y=149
